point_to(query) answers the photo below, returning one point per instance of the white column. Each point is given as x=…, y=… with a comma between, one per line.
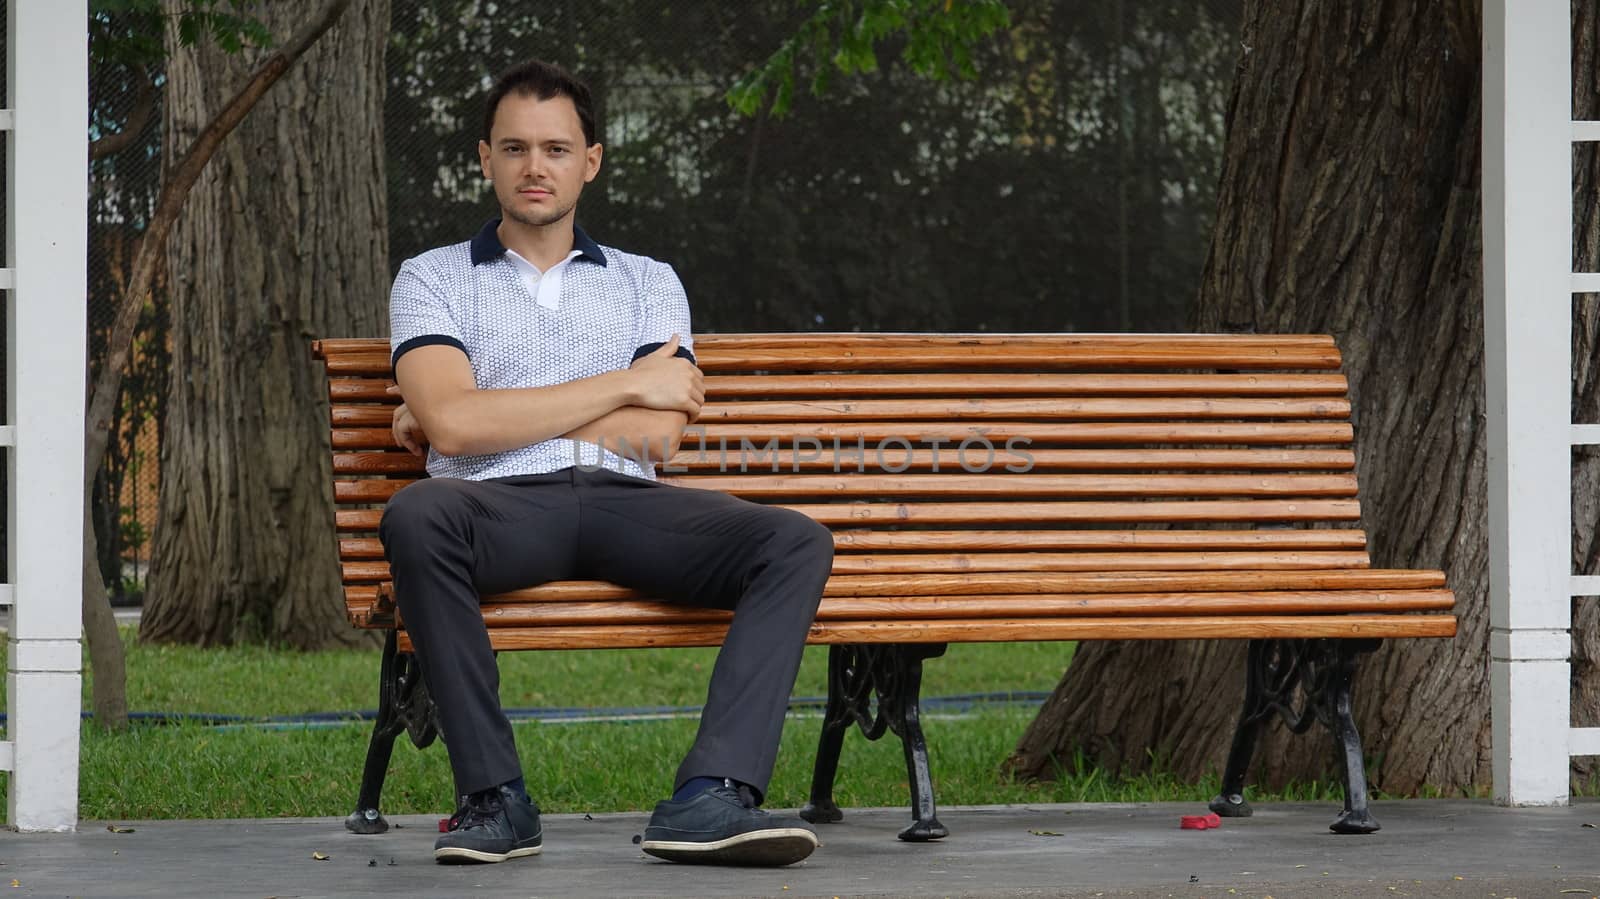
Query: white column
x=46, y=248
x=1527, y=265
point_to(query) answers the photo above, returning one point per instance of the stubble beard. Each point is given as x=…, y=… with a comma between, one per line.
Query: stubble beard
x=538, y=221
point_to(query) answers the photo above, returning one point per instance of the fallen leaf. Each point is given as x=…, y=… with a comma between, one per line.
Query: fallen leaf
x=16, y=883
x=118, y=828
x=1299, y=866
x=319, y=856
x=1044, y=833
x=1459, y=877
x=1575, y=891
x=1588, y=825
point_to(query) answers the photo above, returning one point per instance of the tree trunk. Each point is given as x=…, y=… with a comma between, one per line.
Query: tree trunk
x=284, y=239
x=1349, y=204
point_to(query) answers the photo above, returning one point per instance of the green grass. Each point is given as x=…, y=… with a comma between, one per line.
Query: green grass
x=194, y=771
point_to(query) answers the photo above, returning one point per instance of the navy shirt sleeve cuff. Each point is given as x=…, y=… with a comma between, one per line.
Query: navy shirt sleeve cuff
x=427, y=340
x=647, y=349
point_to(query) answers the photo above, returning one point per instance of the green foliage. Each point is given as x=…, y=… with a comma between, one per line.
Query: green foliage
x=1071, y=187
x=130, y=32
x=940, y=37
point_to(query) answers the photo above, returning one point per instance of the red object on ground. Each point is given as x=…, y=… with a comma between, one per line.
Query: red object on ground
x=444, y=825
x=1200, y=822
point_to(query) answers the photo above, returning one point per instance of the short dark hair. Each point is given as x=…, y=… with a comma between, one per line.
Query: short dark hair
x=543, y=80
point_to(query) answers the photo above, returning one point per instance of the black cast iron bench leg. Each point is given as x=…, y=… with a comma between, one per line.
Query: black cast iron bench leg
x=1323, y=672
x=403, y=705
x=858, y=674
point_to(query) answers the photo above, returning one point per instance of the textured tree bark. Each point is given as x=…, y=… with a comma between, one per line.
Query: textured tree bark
x=1349, y=204
x=284, y=239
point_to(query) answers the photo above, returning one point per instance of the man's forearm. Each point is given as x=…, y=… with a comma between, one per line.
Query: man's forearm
x=635, y=432
x=478, y=422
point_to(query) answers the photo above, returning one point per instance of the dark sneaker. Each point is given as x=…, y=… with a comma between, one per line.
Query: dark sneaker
x=722, y=826
x=491, y=826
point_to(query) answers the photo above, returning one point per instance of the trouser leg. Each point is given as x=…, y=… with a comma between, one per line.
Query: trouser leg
x=447, y=542
x=705, y=548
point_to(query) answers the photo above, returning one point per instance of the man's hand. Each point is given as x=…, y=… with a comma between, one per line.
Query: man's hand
x=407, y=430
x=668, y=383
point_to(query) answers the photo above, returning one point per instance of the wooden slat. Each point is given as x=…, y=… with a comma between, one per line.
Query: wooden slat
x=912, y=608
x=1046, y=352
x=1019, y=512
x=727, y=437
x=378, y=463
x=859, y=514
x=362, y=390
x=980, y=583
x=1045, y=409
x=347, y=521
x=996, y=631
x=1019, y=384
x=923, y=563
x=357, y=549
x=366, y=569
x=998, y=356
x=364, y=438
x=374, y=389
x=371, y=363
x=333, y=346
x=1000, y=484
x=938, y=542
x=769, y=486
x=893, y=459
x=1013, y=540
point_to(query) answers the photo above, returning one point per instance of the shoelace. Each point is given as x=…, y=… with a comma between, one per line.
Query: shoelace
x=479, y=808
x=744, y=794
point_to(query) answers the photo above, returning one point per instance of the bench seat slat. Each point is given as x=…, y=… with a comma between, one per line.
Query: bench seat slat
x=991, y=631
x=897, y=608
x=852, y=541
x=363, y=571
x=979, y=583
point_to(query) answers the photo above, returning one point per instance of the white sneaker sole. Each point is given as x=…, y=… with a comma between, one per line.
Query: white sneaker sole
x=765, y=848
x=458, y=854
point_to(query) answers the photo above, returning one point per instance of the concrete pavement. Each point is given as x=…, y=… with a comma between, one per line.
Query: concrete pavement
x=1427, y=848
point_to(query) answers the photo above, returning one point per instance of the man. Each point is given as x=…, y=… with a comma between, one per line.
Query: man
x=528, y=357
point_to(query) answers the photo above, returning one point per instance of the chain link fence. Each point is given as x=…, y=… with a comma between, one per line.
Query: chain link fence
x=1068, y=188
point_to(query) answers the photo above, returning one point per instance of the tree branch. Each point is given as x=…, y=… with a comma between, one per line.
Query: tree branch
x=169, y=203
x=143, y=106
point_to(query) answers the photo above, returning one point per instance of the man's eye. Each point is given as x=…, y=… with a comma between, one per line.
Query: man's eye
x=558, y=150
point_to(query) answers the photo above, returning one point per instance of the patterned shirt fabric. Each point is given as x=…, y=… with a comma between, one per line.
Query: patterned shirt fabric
x=613, y=307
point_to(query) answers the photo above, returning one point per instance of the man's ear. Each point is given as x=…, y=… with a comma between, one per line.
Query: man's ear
x=592, y=158
x=483, y=159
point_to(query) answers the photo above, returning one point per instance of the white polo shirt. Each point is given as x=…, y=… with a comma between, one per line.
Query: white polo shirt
x=594, y=312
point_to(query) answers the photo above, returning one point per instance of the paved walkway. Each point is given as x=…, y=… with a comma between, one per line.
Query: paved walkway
x=1426, y=848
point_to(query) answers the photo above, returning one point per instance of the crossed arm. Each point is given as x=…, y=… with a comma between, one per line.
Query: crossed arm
x=645, y=405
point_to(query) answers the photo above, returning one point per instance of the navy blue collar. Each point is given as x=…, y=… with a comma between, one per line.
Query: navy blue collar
x=486, y=245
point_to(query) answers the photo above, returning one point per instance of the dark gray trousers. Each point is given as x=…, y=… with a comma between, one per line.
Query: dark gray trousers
x=448, y=541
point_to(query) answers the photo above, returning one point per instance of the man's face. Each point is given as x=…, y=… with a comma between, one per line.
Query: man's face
x=537, y=159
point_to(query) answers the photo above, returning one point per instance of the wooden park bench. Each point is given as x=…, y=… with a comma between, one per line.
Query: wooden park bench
x=980, y=488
